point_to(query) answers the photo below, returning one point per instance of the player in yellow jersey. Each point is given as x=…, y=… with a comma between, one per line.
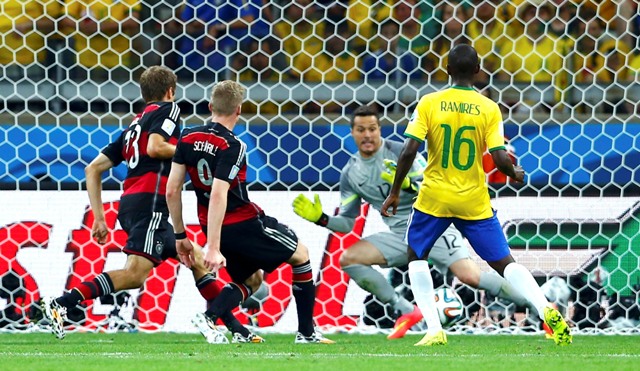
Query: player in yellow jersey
x=458, y=124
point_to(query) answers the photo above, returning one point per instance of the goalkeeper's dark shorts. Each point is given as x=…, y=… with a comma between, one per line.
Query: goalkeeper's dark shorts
x=149, y=234
x=251, y=245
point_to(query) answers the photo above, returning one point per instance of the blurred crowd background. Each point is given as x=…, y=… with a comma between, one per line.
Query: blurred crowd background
x=568, y=68
x=558, y=47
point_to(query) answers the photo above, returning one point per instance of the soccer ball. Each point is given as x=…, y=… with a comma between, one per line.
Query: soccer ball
x=449, y=306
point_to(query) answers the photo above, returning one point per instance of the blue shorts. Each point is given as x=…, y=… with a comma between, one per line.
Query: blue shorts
x=485, y=236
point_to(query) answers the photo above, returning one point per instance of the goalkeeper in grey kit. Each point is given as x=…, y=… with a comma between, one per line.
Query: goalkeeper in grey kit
x=368, y=177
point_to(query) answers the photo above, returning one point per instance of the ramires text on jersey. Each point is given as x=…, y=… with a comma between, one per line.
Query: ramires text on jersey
x=460, y=107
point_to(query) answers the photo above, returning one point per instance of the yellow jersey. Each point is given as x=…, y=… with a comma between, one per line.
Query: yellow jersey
x=99, y=49
x=341, y=68
x=360, y=22
x=302, y=42
x=29, y=48
x=594, y=64
x=488, y=40
x=529, y=61
x=458, y=123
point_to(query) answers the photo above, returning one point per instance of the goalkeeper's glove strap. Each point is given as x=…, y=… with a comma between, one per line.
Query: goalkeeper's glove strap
x=323, y=221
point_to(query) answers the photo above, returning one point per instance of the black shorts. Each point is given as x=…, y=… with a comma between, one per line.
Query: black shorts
x=149, y=235
x=255, y=244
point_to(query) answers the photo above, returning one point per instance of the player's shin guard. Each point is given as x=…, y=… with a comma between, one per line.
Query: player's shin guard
x=522, y=280
x=99, y=286
x=304, y=292
x=230, y=297
x=208, y=287
x=210, y=290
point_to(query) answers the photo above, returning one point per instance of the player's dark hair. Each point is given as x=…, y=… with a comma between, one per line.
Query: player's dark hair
x=364, y=111
x=155, y=81
x=463, y=61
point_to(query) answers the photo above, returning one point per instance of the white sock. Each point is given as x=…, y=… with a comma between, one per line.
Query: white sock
x=423, y=293
x=522, y=280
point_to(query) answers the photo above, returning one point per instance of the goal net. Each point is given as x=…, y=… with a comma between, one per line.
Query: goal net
x=565, y=74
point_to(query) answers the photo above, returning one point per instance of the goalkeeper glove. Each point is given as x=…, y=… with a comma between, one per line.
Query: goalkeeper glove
x=390, y=174
x=311, y=211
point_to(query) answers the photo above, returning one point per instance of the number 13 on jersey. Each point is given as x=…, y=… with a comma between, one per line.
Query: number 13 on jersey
x=132, y=152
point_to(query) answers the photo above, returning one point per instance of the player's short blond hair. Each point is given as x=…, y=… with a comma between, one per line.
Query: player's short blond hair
x=226, y=96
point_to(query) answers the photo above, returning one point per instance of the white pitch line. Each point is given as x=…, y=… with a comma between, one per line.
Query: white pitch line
x=124, y=355
x=66, y=355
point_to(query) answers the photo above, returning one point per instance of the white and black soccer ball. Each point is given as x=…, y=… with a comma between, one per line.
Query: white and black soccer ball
x=449, y=306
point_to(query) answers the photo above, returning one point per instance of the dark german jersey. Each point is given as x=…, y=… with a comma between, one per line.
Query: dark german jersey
x=213, y=151
x=146, y=182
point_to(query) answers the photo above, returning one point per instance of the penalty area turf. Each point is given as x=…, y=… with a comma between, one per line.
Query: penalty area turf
x=170, y=351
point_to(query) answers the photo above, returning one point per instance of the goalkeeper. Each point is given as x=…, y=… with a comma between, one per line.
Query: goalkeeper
x=368, y=176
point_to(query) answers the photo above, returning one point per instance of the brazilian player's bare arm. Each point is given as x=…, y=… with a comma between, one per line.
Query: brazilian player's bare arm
x=503, y=163
x=405, y=161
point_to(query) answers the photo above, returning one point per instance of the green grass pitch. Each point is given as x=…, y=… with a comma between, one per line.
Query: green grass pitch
x=167, y=351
